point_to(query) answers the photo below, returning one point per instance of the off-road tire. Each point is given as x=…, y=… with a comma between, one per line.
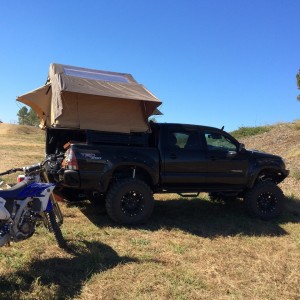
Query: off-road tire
x=57, y=212
x=264, y=201
x=54, y=227
x=129, y=202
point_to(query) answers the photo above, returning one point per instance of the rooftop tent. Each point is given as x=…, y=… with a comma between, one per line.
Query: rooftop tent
x=82, y=98
x=39, y=100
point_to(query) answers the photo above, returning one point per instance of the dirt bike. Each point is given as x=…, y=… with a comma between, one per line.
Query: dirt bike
x=29, y=202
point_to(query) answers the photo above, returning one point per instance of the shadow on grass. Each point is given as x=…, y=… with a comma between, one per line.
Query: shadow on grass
x=61, y=278
x=204, y=218
x=292, y=213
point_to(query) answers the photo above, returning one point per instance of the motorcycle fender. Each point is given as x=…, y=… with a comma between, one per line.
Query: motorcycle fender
x=49, y=206
x=45, y=198
x=4, y=213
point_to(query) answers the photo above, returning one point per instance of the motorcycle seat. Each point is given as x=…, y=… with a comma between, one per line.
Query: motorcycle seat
x=13, y=193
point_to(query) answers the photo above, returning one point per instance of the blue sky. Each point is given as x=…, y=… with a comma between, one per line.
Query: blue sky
x=211, y=62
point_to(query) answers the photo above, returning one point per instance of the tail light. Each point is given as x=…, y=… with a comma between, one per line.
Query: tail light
x=70, y=162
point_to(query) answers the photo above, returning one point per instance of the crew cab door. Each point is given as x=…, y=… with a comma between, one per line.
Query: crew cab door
x=226, y=164
x=184, y=159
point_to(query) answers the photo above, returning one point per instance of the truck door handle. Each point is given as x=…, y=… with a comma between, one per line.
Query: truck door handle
x=173, y=156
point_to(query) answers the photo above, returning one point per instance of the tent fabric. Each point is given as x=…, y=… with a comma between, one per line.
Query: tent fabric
x=83, y=98
x=39, y=100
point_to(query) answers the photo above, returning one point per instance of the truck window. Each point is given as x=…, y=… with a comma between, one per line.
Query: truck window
x=184, y=140
x=219, y=142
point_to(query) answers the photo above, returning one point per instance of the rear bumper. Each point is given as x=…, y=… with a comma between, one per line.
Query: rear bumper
x=85, y=180
x=71, y=178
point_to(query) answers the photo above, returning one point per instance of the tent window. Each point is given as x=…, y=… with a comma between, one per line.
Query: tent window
x=89, y=74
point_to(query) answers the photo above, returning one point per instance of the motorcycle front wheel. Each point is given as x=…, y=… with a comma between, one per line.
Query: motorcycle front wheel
x=57, y=212
x=52, y=225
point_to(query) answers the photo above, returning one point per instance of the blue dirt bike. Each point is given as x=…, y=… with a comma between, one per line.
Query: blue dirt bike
x=29, y=202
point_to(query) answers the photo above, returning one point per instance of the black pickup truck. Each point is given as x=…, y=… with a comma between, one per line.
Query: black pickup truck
x=126, y=169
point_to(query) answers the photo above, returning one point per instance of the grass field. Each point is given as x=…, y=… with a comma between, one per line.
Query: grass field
x=190, y=248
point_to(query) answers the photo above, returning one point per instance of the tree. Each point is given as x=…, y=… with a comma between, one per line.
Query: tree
x=23, y=115
x=298, y=83
x=27, y=117
x=33, y=119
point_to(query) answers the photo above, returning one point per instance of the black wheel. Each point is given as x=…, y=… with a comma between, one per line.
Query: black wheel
x=129, y=202
x=53, y=226
x=265, y=200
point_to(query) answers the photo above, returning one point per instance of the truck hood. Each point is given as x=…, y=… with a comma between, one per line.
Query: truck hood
x=261, y=154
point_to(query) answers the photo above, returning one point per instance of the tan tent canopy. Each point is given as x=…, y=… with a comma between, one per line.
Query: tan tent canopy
x=91, y=99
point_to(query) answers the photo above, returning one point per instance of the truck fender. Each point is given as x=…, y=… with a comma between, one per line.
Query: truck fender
x=273, y=173
x=130, y=170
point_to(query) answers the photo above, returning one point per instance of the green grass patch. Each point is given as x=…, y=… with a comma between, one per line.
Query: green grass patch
x=250, y=131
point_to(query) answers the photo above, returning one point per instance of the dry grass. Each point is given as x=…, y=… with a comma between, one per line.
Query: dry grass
x=296, y=125
x=189, y=249
x=20, y=146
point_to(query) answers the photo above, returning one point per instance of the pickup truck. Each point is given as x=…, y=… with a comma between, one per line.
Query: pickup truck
x=126, y=170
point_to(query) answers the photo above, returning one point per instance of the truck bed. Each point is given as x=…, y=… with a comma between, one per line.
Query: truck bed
x=56, y=138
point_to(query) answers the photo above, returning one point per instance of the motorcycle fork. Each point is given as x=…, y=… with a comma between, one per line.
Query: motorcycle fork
x=55, y=205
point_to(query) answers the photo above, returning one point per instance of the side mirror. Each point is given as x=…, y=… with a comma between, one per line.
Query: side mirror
x=231, y=154
x=241, y=147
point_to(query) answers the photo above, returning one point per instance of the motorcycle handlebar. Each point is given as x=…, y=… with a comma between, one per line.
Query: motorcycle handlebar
x=35, y=167
x=32, y=168
x=53, y=158
x=14, y=170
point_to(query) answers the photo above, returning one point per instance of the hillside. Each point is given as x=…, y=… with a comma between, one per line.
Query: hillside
x=20, y=145
x=14, y=129
x=282, y=139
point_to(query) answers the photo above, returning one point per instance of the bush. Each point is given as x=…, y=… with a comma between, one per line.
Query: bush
x=250, y=131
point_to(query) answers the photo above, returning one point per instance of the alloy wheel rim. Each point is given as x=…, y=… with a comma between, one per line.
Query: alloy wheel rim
x=267, y=202
x=132, y=203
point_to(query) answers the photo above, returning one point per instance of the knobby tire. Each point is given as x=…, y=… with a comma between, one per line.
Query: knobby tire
x=117, y=193
x=57, y=212
x=56, y=230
